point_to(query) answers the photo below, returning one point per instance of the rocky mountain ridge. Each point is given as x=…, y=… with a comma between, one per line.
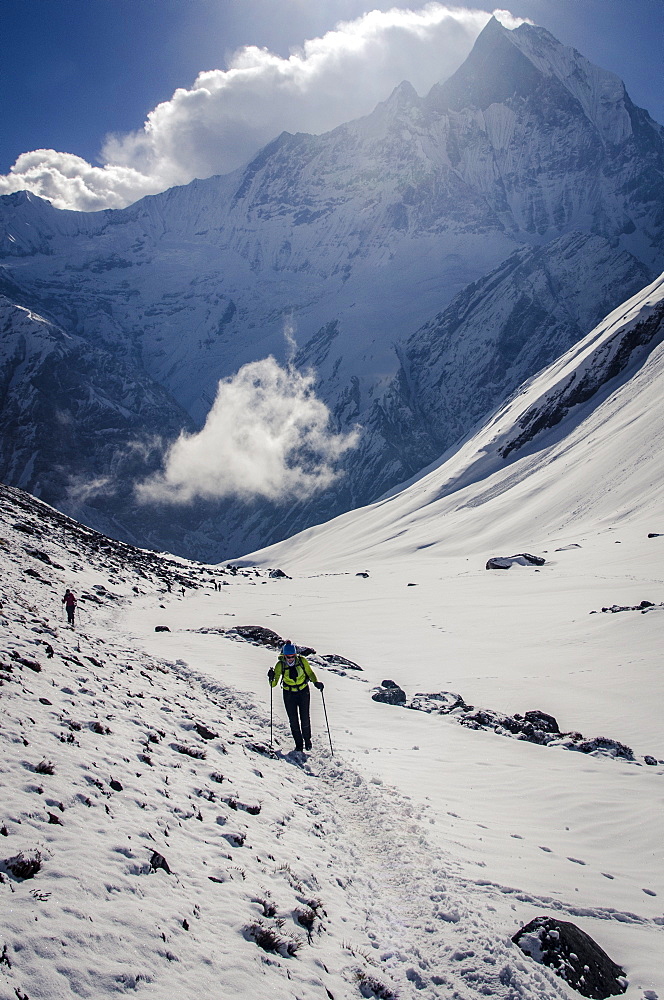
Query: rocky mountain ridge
x=354, y=239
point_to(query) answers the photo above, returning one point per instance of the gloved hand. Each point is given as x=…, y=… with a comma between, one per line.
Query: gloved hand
x=270, y=674
x=319, y=685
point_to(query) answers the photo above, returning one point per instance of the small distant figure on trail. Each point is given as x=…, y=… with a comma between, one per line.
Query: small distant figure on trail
x=182, y=591
x=295, y=672
x=69, y=601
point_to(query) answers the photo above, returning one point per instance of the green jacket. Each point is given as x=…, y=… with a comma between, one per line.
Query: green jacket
x=293, y=678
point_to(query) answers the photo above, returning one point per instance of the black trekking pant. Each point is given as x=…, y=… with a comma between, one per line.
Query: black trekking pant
x=297, y=710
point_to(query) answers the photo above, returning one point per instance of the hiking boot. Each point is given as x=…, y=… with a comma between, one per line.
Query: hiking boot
x=307, y=744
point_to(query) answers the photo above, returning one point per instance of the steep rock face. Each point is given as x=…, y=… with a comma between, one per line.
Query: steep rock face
x=356, y=238
x=476, y=353
x=78, y=425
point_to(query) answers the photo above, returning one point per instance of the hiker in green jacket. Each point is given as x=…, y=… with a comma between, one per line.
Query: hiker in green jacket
x=295, y=672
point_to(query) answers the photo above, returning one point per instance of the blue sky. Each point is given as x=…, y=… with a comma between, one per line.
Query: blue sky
x=73, y=71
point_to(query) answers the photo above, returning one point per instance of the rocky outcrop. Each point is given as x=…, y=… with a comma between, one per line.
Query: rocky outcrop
x=573, y=955
x=533, y=726
x=522, y=559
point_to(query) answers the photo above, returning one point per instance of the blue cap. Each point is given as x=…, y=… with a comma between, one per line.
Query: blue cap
x=288, y=649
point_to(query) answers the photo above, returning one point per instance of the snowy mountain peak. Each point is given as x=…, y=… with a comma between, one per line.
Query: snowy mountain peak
x=506, y=65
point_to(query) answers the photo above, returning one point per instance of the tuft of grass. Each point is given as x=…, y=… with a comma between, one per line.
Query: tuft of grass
x=269, y=906
x=372, y=987
x=270, y=939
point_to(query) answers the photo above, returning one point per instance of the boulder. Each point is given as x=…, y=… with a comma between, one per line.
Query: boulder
x=278, y=574
x=390, y=694
x=256, y=633
x=542, y=721
x=161, y=628
x=573, y=955
x=522, y=559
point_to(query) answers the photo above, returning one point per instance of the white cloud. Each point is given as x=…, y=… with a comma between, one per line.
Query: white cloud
x=267, y=435
x=227, y=115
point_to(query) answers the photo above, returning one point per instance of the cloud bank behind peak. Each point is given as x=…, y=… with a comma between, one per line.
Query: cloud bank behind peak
x=220, y=122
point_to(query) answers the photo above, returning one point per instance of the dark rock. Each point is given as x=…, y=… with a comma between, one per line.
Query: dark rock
x=365, y=575
x=522, y=558
x=158, y=861
x=115, y=785
x=654, y=534
x=540, y=720
x=278, y=574
x=573, y=955
x=161, y=628
x=611, y=747
x=256, y=633
x=390, y=694
x=652, y=761
x=24, y=866
x=340, y=661
x=204, y=732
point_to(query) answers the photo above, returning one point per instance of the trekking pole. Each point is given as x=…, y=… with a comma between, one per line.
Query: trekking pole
x=271, y=690
x=327, y=724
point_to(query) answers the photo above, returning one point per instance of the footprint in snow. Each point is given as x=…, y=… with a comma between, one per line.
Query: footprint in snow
x=577, y=861
x=649, y=892
x=547, y=850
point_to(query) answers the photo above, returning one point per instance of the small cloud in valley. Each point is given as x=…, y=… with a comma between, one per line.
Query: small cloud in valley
x=227, y=115
x=267, y=436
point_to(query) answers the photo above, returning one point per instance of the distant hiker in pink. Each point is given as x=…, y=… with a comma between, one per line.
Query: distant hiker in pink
x=69, y=602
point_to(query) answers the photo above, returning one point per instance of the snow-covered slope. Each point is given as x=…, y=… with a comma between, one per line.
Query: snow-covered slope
x=577, y=445
x=356, y=239
x=151, y=844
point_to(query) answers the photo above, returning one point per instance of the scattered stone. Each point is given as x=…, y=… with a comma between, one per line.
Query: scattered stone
x=654, y=534
x=158, y=861
x=573, y=955
x=533, y=727
x=364, y=575
x=652, y=761
x=278, y=574
x=522, y=559
x=161, y=628
x=115, y=785
x=643, y=607
x=204, y=732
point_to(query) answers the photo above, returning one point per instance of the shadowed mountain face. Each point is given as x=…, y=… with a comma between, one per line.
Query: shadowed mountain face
x=517, y=203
